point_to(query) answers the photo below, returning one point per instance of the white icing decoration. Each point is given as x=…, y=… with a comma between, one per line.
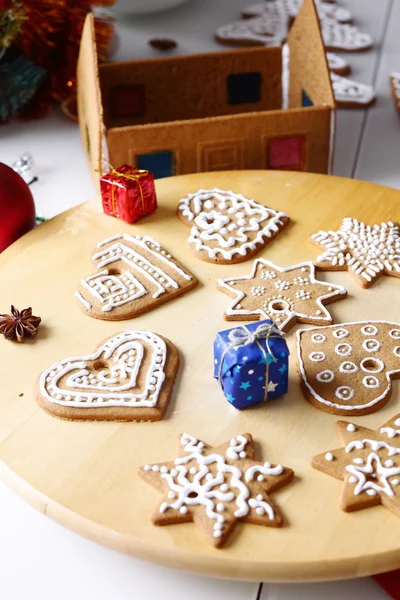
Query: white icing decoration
x=329, y=456
x=317, y=356
x=116, y=383
x=382, y=473
x=343, y=349
x=318, y=338
x=390, y=431
x=255, y=219
x=340, y=333
x=344, y=392
x=281, y=307
x=348, y=91
x=209, y=490
x=237, y=446
x=257, y=290
x=303, y=294
x=326, y=376
x=264, y=470
x=369, y=330
x=348, y=367
x=378, y=367
x=85, y=303
x=350, y=427
x=371, y=345
x=367, y=250
x=268, y=274
x=371, y=382
x=396, y=351
x=292, y=7
x=374, y=444
x=340, y=36
x=112, y=290
x=395, y=334
x=336, y=62
x=282, y=285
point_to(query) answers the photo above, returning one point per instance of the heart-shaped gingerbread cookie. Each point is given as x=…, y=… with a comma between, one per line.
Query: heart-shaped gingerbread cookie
x=228, y=227
x=348, y=369
x=129, y=377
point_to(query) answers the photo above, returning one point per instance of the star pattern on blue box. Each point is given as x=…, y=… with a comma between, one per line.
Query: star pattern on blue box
x=252, y=372
x=284, y=294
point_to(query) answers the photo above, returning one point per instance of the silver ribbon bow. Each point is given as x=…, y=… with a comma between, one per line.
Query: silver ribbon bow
x=243, y=336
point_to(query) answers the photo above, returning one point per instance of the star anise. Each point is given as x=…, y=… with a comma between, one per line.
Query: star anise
x=19, y=325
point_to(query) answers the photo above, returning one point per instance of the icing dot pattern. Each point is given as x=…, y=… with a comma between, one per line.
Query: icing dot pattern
x=361, y=358
x=285, y=297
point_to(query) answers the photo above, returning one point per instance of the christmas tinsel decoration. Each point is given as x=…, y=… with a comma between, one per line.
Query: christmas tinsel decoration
x=48, y=35
x=11, y=20
x=19, y=81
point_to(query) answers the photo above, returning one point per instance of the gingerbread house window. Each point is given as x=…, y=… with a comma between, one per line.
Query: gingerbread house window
x=286, y=153
x=127, y=101
x=244, y=88
x=161, y=163
x=305, y=99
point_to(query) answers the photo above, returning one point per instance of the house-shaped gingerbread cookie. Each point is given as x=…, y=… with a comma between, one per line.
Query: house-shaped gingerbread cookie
x=250, y=108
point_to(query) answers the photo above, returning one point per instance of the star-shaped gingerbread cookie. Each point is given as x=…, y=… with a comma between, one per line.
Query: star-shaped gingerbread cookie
x=366, y=251
x=216, y=487
x=285, y=295
x=369, y=464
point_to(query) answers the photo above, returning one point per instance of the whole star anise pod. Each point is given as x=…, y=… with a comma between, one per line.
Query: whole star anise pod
x=19, y=325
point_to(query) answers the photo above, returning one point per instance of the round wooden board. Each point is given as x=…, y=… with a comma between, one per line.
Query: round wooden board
x=84, y=475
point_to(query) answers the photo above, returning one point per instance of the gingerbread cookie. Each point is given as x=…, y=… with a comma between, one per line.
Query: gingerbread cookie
x=366, y=251
x=352, y=94
x=369, y=464
x=292, y=7
x=134, y=275
x=270, y=29
x=337, y=64
x=344, y=37
x=216, y=487
x=348, y=369
x=227, y=227
x=286, y=295
x=129, y=377
x=395, y=88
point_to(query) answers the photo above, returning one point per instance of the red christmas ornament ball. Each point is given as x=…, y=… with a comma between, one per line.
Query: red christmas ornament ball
x=17, y=208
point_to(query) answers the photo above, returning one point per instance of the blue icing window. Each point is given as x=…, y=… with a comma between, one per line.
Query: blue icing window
x=305, y=99
x=161, y=163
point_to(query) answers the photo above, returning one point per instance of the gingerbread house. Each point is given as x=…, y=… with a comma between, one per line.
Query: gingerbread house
x=250, y=108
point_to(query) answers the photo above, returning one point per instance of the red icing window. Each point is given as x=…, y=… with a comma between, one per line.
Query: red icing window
x=286, y=153
x=127, y=101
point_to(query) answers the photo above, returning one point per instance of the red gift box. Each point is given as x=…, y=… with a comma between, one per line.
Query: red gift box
x=128, y=193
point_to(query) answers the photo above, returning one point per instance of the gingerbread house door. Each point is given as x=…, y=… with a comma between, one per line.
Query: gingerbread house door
x=90, y=109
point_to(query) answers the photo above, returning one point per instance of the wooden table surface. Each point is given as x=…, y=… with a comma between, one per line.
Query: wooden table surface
x=368, y=148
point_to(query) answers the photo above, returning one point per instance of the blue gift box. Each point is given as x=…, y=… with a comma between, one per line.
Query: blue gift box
x=243, y=359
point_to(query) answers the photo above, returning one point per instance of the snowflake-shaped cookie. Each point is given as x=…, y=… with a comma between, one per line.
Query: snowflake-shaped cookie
x=369, y=464
x=366, y=251
x=227, y=227
x=216, y=487
x=295, y=295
